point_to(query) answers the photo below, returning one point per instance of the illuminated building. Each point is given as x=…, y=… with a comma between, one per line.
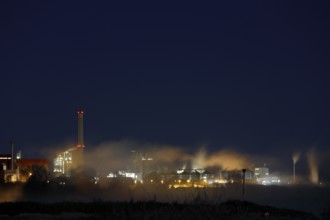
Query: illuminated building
x=9, y=172
x=72, y=158
x=187, y=174
x=262, y=176
x=18, y=169
x=134, y=176
x=25, y=167
x=63, y=163
x=5, y=160
x=260, y=172
x=141, y=165
x=268, y=180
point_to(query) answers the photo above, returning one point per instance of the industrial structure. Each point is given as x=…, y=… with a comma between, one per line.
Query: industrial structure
x=143, y=168
x=72, y=158
x=145, y=171
x=26, y=167
x=63, y=162
x=78, y=154
x=187, y=177
x=9, y=172
x=18, y=169
x=141, y=165
x=261, y=172
x=262, y=176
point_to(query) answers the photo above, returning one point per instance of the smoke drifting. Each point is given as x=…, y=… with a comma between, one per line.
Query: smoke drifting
x=10, y=193
x=109, y=156
x=313, y=166
x=224, y=159
x=56, y=148
x=229, y=160
x=118, y=156
x=296, y=157
x=199, y=160
x=168, y=154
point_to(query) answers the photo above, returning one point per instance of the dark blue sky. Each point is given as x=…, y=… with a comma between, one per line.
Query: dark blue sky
x=249, y=75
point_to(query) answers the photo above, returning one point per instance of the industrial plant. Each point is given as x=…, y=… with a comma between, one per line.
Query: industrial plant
x=73, y=158
x=142, y=168
x=18, y=169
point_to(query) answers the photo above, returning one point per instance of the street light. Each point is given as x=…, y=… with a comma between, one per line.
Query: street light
x=243, y=177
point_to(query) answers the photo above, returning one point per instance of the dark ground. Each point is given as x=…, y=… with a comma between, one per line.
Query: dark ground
x=75, y=200
x=145, y=210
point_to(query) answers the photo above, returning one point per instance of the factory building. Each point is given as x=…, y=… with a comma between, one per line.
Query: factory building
x=260, y=172
x=210, y=177
x=25, y=167
x=194, y=174
x=72, y=158
x=6, y=161
x=63, y=163
x=8, y=170
x=17, y=169
x=141, y=166
x=262, y=176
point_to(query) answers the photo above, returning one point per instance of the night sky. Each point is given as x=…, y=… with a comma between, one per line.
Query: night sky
x=248, y=75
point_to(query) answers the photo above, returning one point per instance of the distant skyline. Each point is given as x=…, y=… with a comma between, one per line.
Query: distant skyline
x=249, y=76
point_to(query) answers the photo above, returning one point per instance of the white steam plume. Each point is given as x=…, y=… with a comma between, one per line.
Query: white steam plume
x=224, y=159
x=229, y=160
x=296, y=157
x=199, y=160
x=313, y=166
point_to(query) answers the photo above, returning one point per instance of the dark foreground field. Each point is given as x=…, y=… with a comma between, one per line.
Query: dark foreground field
x=50, y=201
x=145, y=210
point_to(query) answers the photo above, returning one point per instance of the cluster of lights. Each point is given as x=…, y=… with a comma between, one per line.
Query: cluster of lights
x=268, y=180
x=61, y=161
x=123, y=174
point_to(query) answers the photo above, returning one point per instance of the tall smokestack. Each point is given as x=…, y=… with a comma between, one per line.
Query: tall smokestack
x=80, y=143
x=78, y=154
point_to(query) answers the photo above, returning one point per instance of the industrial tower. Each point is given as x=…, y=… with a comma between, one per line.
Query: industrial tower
x=80, y=143
x=78, y=157
x=72, y=159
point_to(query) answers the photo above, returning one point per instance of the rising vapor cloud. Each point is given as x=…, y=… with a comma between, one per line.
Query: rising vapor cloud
x=117, y=156
x=313, y=166
x=296, y=157
x=224, y=159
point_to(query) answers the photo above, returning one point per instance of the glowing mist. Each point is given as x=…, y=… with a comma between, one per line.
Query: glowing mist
x=199, y=160
x=313, y=166
x=225, y=159
x=295, y=157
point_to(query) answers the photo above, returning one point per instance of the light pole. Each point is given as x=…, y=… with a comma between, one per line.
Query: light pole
x=12, y=154
x=243, y=177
